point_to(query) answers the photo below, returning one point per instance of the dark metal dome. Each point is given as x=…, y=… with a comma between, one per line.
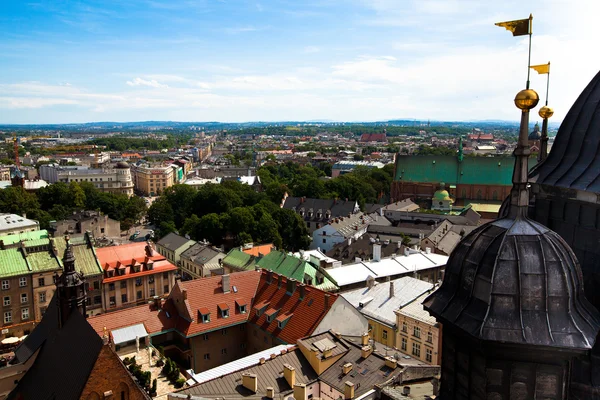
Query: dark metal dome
x=514, y=280
x=535, y=133
x=122, y=165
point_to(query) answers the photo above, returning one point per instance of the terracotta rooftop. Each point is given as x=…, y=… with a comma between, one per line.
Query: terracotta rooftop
x=263, y=249
x=307, y=313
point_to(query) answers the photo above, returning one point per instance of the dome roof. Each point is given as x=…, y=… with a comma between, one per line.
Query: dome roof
x=441, y=195
x=514, y=280
x=535, y=133
x=574, y=161
x=122, y=165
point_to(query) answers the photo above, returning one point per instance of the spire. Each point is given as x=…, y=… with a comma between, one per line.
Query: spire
x=519, y=194
x=70, y=287
x=68, y=258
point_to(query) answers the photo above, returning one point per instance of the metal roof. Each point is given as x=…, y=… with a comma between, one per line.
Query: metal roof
x=236, y=365
x=129, y=333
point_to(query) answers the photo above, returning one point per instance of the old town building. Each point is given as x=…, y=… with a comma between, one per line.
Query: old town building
x=112, y=180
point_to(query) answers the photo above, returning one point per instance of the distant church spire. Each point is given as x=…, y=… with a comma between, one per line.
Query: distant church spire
x=70, y=287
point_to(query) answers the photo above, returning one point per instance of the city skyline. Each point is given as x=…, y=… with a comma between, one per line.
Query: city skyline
x=236, y=61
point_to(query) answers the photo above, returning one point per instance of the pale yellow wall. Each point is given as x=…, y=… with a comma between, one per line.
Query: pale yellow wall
x=409, y=335
x=379, y=331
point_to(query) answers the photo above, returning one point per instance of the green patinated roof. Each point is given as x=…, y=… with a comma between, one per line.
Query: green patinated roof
x=33, y=235
x=472, y=170
x=85, y=257
x=239, y=260
x=294, y=267
x=42, y=261
x=441, y=195
x=12, y=263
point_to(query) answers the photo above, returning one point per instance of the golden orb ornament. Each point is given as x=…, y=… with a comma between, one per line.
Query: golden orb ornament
x=546, y=112
x=526, y=99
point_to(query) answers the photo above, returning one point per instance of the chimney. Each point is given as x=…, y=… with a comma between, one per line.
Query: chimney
x=289, y=373
x=327, y=352
x=348, y=390
x=225, y=283
x=406, y=251
x=261, y=361
x=270, y=392
x=291, y=286
x=391, y=289
x=428, y=250
x=302, y=290
x=377, y=252
x=184, y=294
x=300, y=392
x=346, y=368
x=366, y=351
x=279, y=281
x=349, y=241
x=250, y=382
x=364, y=339
x=269, y=276
x=156, y=301
x=390, y=362
x=327, y=296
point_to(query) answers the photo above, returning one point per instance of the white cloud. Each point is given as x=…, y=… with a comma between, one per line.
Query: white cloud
x=143, y=82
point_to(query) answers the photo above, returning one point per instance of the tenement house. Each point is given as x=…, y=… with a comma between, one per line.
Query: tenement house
x=113, y=180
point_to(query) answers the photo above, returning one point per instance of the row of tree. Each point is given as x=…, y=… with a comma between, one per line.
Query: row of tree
x=58, y=201
x=230, y=213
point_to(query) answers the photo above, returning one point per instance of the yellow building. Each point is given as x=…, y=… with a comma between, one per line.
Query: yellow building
x=379, y=301
x=419, y=334
x=152, y=181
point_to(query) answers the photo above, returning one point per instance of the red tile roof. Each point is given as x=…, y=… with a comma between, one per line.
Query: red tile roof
x=128, y=255
x=207, y=293
x=262, y=249
x=154, y=321
x=307, y=313
x=373, y=137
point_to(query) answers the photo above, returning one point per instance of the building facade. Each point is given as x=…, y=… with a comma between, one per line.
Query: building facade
x=95, y=222
x=153, y=180
x=113, y=180
x=172, y=245
x=11, y=224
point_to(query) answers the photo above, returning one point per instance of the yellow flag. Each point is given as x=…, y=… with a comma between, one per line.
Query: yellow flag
x=518, y=27
x=541, y=69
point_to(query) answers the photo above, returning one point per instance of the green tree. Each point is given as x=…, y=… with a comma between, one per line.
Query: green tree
x=210, y=228
x=161, y=211
x=76, y=195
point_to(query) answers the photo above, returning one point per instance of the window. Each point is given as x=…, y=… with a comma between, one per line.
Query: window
x=223, y=351
x=384, y=334
x=324, y=240
x=416, y=350
x=223, y=331
x=23, y=298
x=43, y=310
x=22, y=281
x=243, y=345
x=206, y=336
x=205, y=318
x=41, y=282
x=96, y=285
x=428, y=355
x=166, y=289
x=138, y=281
x=139, y=295
x=151, y=279
x=429, y=337
x=123, y=284
x=5, y=285
x=113, y=301
x=42, y=297
x=152, y=292
x=124, y=298
x=25, y=314
x=7, y=300
x=207, y=356
x=242, y=328
x=111, y=286
x=403, y=344
x=225, y=313
x=7, y=317
x=243, y=309
x=165, y=275
x=404, y=327
x=97, y=300
x=417, y=332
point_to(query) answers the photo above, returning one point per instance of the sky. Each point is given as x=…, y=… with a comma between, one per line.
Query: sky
x=67, y=61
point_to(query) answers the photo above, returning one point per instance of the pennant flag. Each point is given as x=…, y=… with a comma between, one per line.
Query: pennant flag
x=541, y=69
x=519, y=27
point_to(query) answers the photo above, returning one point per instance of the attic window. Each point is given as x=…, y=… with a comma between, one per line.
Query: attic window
x=242, y=307
x=283, y=320
x=260, y=308
x=224, y=310
x=150, y=266
x=204, y=315
x=271, y=314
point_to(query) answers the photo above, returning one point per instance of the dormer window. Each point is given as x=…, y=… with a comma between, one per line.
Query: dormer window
x=204, y=315
x=271, y=314
x=224, y=309
x=150, y=266
x=242, y=307
x=282, y=320
x=260, y=308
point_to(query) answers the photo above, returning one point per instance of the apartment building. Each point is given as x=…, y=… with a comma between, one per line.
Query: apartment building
x=153, y=180
x=172, y=245
x=113, y=180
x=14, y=224
x=133, y=274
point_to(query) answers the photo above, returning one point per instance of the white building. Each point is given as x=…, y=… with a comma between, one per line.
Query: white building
x=114, y=180
x=340, y=230
x=11, y=224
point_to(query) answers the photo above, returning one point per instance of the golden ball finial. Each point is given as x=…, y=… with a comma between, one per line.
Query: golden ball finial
x=546, y=112
x=526, y=99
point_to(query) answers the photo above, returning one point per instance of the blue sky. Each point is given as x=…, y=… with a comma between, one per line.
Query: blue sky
x=232, y=60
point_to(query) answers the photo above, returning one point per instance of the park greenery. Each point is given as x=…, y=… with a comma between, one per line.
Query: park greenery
x=58, y=201
x=117, y=143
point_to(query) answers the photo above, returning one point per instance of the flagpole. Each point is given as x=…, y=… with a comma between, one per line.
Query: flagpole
x=529, y=58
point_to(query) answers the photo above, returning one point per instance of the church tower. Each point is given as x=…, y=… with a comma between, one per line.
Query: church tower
x=516, y=321
x=70, y=288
